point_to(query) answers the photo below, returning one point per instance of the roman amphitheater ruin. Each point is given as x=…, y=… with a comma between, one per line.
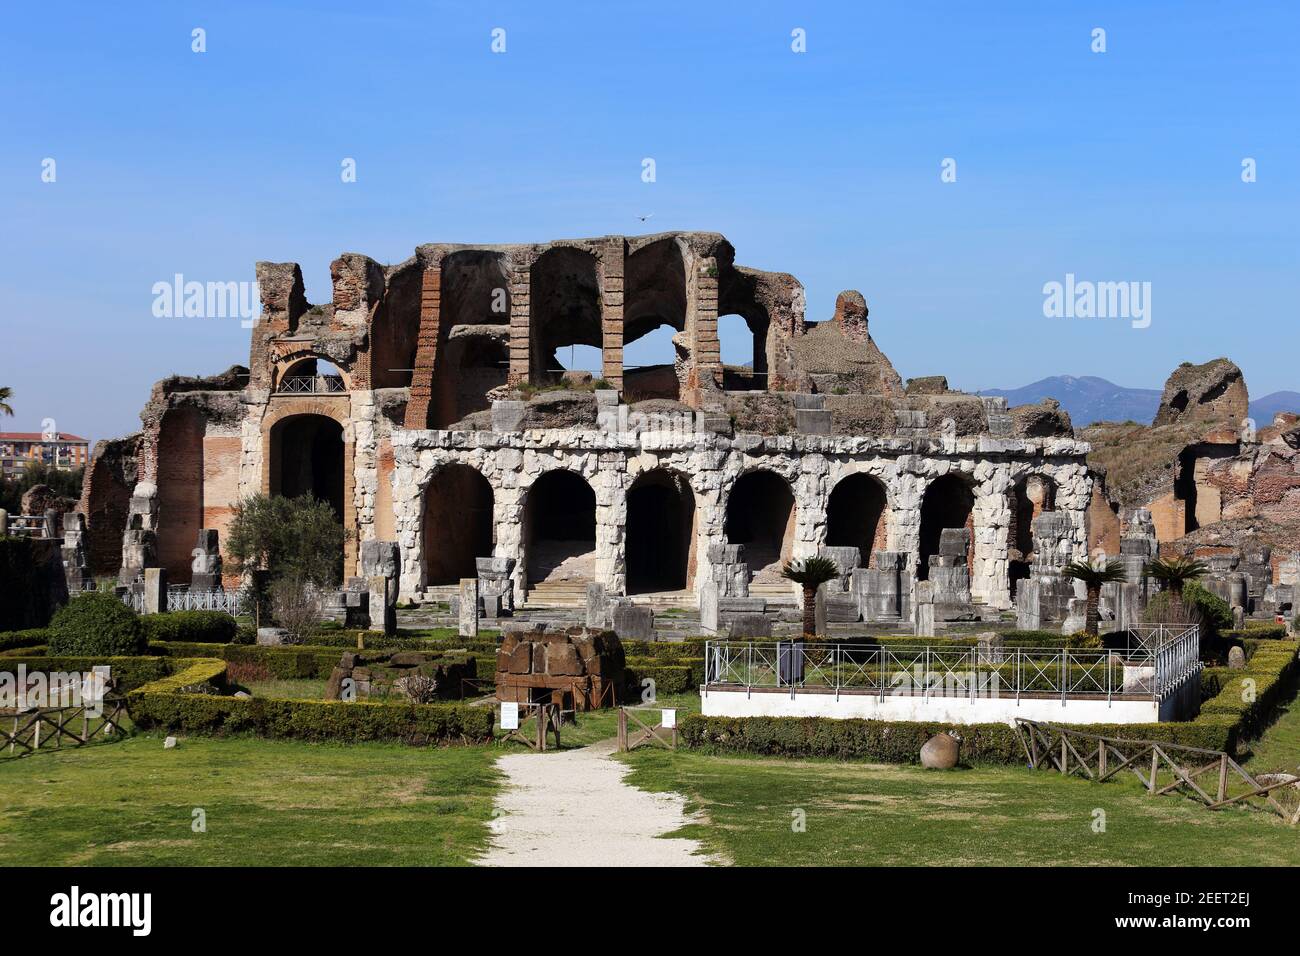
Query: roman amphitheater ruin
x=428, y=404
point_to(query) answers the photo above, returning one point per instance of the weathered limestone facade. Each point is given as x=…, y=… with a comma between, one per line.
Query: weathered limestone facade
x=427, y=403
x=812, y=465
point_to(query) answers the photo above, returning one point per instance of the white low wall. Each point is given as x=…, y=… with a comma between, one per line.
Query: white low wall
x=953, y=710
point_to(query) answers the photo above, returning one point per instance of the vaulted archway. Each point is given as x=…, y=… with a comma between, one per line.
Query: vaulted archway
x=660, y=541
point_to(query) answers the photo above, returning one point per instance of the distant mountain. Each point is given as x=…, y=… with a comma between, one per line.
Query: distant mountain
x=1088, y=399
x=1265, y=407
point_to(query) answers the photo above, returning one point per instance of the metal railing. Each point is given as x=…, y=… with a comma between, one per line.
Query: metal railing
x=946, y=671
x=311, y=384
x=183, y=599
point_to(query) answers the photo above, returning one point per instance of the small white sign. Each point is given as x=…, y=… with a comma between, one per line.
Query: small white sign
x=509, y=715
x=669, y=719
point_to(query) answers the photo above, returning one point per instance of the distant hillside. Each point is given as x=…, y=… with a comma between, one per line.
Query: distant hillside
x=1265, y=407
x=1088, y=399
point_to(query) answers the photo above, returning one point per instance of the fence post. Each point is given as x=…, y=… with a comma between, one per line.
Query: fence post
x=1223, y=777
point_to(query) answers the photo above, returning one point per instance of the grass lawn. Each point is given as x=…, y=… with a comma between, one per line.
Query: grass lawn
x=1279, y=748
x=288, y=689
x=268, y=802
x=871, y=815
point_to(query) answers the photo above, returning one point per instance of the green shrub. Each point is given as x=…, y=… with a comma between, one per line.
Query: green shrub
x=197, y=627
x=164, y=704
x=96, y=623
x=33, y=637
x=901, y=741
x=126, y=673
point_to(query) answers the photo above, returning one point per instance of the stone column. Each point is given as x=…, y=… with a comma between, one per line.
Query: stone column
x=611, y=521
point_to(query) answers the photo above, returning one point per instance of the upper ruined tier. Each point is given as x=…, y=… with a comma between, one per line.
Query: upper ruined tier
x=460, y=325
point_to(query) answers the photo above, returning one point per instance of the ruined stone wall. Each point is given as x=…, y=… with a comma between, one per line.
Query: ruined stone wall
x=611, y=462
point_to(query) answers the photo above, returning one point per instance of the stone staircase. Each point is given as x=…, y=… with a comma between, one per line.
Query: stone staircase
x=774, y=592
x=557, y=594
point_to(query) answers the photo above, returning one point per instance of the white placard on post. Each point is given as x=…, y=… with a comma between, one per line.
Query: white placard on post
x=509, y=715
x=669, y=720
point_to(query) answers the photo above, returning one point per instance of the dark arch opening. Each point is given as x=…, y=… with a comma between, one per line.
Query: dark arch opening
x=948, y=503
x=1030, y=496
x=565, y=309
x=761, y=515
x=307, y=459
x=660, y=533
x=560, y=528
x=855, y=516
x=474, y=330
x=457, y=524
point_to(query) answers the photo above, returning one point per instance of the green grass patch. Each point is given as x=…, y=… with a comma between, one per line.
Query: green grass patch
x=875, y=815
x=303, y=689
x=267, y=803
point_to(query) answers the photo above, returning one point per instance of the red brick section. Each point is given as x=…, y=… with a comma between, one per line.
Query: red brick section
x=611, y=312
x=706, y=357
x=520, y=305
x=426, y=349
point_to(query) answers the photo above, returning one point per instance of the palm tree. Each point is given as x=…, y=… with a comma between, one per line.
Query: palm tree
x=1173, y=574
x=1093, y=577
x=6, y=393
x=810, y=573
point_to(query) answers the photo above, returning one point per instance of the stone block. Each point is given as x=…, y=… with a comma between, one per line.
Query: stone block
x=155, y=591
x=633, y=623
x=509, y=416
x=750, y=625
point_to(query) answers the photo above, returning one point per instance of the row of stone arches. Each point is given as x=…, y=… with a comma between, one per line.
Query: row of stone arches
x=558, y=524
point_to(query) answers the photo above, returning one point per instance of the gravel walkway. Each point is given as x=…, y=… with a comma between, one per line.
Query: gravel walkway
x=573, y=809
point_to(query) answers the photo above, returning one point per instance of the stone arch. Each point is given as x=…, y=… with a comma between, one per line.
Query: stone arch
x=857, y=515
x=660, y=543
x=565, y=307
x=456, y=523
x=280, y=433
x=948, y=502
x=738, y=296
x=180, y=490
x=302, y=363
x=655, y=302
x=559, y=528
x=760, y=514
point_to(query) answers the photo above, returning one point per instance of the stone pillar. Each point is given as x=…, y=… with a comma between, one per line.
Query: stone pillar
x=4, y=522
x=381, y=604
x=611, y=312
x=380, y=567
x=468, y=607
x=923, y=610
x=520, y=305
x=155, y=590
x=76, y=569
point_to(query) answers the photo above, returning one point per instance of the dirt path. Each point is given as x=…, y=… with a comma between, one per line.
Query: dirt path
x=573, y=809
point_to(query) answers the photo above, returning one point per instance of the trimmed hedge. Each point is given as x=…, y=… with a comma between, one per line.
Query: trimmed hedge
x=163, y=705
x=33, y=637
x=901, y=741
x=197, y=627
x=126, y=672
x=1272, y=667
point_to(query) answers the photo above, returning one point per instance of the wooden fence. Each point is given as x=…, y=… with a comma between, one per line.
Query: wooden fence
x=1211, y=777
x=49, y=727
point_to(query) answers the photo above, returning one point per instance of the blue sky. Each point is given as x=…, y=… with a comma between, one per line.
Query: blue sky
x=1124, y=165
